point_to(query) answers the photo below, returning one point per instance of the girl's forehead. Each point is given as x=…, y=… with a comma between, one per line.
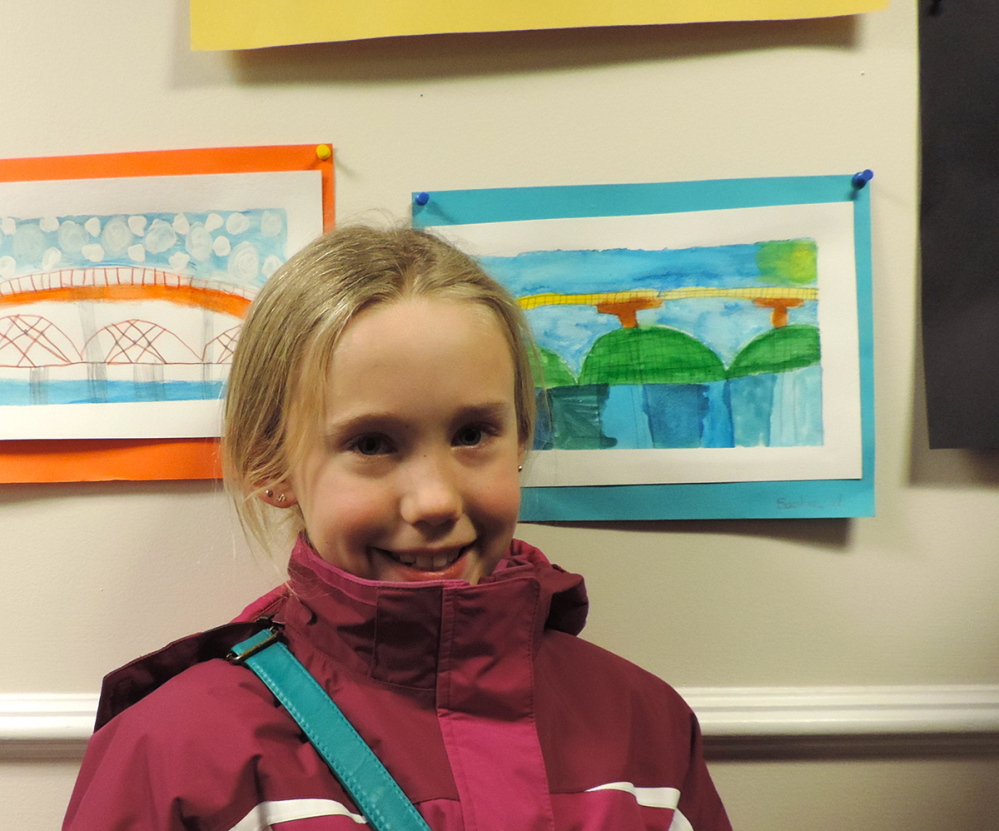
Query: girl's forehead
x=420, y=319
x=423, y=346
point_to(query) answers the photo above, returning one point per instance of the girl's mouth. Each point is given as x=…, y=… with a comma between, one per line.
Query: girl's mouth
x=425, y=560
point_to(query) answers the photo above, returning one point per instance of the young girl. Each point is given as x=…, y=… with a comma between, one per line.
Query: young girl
x=381, y=402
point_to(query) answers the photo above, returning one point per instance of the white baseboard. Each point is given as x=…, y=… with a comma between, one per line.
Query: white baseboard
x=779, y=718
x=844, y=711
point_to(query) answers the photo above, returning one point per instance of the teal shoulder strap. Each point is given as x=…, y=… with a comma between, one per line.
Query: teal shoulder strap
x=364, y=777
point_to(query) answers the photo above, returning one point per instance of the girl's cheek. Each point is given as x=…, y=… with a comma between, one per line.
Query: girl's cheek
x=360, y=504
x=502, y=496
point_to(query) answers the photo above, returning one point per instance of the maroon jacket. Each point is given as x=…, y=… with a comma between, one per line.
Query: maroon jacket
x=480, y=700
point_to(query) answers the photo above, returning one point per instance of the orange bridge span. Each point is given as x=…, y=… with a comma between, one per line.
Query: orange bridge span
x=118, y=283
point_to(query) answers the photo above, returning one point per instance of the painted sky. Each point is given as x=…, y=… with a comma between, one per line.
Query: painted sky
x=617, y=269
x=242, y=247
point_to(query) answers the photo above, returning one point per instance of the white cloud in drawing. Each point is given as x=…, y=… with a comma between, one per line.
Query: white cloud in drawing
x=160, y=237
x=237, y=224
x=198, y=242
x=29, y=243
x=93, y=251
x=244, y=263
x=51, y=258
x=271, y=223
x=221, y=246
x=116, y=236
x=72, y=237
x=137, y=224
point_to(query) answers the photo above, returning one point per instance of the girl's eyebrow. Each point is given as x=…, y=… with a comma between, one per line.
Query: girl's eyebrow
x=363, y=422
x=486, y=411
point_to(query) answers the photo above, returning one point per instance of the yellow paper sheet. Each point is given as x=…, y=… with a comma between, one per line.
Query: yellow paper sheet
x=252, y=24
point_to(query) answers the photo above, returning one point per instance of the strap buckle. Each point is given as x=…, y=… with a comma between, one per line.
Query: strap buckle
x=253, y=645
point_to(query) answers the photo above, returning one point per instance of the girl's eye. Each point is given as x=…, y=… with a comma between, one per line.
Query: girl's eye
x=372, y=445
x=470, y=436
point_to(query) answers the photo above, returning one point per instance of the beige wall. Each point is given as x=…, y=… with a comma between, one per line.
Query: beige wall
x=96, y=574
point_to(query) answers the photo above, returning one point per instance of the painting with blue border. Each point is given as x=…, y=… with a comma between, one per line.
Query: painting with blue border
x=700, y=347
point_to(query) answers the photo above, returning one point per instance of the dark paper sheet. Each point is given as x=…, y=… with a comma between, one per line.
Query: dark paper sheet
x=959, y=65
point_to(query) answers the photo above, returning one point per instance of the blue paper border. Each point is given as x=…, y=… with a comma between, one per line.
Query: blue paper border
x=717, y=500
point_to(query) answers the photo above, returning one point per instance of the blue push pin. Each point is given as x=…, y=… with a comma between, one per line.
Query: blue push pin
x=423, y=197
x=862, y=178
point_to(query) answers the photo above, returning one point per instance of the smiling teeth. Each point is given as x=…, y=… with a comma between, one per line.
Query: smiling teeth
x=425, y=563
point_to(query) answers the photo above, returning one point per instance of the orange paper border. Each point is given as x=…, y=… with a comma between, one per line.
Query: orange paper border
x=92, y=460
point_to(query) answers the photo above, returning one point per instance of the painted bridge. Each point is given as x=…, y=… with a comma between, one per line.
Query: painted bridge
x=111, y=283
x=32, y=340
x=626, y=304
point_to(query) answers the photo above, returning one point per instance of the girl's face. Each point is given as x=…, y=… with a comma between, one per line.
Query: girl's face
x=413, y=473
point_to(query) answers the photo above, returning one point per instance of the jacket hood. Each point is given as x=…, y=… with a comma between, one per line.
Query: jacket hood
x=566, y=592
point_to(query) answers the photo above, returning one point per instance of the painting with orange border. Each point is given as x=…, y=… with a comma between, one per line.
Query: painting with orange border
x=122, y=297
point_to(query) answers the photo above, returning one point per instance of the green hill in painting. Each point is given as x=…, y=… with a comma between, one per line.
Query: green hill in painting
x=549, y=370
x=779, y=350
x=650, y=355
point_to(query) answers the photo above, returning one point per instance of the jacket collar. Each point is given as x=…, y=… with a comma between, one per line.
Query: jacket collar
x=400, y=632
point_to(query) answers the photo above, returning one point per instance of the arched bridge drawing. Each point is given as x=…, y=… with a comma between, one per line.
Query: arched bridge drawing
x=33, y=341
x=129, y=325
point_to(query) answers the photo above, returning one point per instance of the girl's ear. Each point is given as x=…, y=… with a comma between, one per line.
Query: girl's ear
x=278, y=495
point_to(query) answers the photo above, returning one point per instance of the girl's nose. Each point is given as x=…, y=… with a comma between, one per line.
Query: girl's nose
x=432, y=496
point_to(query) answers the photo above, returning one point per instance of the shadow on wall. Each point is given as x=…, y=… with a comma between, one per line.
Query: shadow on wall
x=502, y=53
x=971, y=469
x=831, y=535
x=880, y=747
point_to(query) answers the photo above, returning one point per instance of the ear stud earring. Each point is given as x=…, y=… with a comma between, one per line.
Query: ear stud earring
x=270, y=495
x=520, y=468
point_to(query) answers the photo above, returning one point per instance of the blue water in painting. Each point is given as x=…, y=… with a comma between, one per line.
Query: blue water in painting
x=782, y=410
x=114, y=392
x=797, y=416
x=676, y=414
x=623, y=418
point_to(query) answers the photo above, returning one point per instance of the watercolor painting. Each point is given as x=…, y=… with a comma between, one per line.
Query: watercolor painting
x=705, y=347
x=701, y=347
x=112, y=314
x=144, y=307
x=694, y=346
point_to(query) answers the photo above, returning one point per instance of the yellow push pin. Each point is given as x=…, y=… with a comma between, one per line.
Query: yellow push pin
x=324, y=151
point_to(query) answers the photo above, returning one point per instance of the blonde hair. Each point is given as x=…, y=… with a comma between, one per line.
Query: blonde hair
x=285, y=348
